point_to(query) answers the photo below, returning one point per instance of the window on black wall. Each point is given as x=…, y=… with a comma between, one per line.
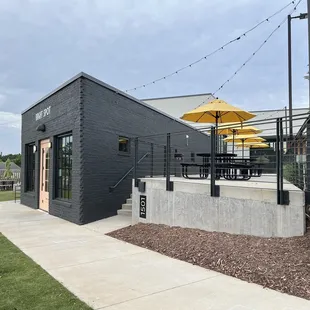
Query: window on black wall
x=30, y=167
x=123, y=145
x=64, y=167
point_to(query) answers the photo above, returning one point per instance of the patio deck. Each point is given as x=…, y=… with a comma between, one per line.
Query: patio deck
x=264, y=182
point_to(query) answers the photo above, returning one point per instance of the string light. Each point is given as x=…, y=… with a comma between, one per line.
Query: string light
x=213, y=52
x=252, y=55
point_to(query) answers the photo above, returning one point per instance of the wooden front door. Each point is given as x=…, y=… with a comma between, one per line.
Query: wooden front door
x=44, y=175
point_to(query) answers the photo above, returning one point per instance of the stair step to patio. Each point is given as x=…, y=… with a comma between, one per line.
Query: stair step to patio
x=127, y=206
x=124, y=212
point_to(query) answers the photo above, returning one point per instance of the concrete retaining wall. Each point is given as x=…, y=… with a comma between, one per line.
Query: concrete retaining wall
x=249, y=211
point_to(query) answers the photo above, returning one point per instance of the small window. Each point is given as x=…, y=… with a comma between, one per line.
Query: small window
x=64, y=167
x=123, y=145
x=30, y=167
x=193, y=157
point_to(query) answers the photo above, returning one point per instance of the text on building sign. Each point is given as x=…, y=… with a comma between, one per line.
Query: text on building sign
x=143, y=206
x=43, y=113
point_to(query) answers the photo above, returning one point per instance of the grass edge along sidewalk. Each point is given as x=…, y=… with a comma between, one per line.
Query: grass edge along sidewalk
x=8, y=195
x=24, y=285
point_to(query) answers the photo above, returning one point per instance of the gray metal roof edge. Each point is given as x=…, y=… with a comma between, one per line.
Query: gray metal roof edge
x=275, y=110
x=91, y=78
x=172, y=97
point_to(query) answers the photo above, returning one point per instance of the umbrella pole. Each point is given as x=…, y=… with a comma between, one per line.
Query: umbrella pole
x=233, y=147
x=242, y=148
x=216, y=130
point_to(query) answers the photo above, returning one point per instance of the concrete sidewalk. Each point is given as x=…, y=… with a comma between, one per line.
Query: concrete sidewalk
x=111, y=274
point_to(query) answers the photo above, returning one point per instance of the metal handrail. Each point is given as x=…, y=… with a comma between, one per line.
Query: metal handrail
x=112, y=188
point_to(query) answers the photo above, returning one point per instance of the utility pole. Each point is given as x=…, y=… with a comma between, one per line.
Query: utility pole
x=289, y=54
x=290, y=94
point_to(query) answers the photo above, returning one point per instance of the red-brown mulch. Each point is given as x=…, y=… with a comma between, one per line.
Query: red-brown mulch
x=282, y=264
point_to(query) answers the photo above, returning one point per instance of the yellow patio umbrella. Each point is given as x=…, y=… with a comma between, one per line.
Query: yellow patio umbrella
x=244, y=139
x=236, y=129
x=217, y=111
x=259, y=145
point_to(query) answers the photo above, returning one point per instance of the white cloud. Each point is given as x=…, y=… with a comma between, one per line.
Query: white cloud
x=10, y=120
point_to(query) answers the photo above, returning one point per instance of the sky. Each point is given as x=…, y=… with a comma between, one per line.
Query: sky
x=126, y=43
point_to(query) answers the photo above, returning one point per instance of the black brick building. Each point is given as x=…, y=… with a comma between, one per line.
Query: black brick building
x=76, y=144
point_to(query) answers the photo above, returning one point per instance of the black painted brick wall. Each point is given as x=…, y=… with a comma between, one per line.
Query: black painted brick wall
x=96, y=116
x=65, y=116
x=106, y=116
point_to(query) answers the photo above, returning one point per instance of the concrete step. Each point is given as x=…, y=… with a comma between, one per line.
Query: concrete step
x=124, y=212
x=129, y=201
x=127, y=206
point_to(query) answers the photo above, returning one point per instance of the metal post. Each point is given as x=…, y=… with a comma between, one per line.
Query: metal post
x=135, y=167
x=308, y=165
x=277, y=160
x=233, y=146
x=168, y=162
x=152, y=160
x=290, y=94
x=242, y=148
x=175, y=165
x=217, y=128
x=212, y=170
x=281, y=160
x=165, y=160
x=286, y=137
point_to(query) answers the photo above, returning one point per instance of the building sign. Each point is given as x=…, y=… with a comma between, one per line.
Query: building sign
x=143, y=206
x=43, y=113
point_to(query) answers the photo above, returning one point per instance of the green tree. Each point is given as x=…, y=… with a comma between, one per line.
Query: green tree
x=18, y=160
x=8, y=172
x=15, y=158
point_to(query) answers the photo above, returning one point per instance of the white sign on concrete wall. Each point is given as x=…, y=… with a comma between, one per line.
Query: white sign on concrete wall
x=43, y=113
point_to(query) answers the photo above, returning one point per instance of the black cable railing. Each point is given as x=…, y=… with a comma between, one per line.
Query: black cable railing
x=281, y=163
x=112, y=188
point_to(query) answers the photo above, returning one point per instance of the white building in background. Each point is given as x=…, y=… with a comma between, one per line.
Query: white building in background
x=178, y=105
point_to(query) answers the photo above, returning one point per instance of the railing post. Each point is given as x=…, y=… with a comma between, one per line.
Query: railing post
x=135, y=167
x=282, y=196
x=169, y=186
x=308, y=163
x=214, y=189
x=165, y=160
x=152, y=160
x=281, y=160
x=277, y=159
x=174, y=162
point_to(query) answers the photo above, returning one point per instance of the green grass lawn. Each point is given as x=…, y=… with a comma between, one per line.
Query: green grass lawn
x=24, y=285
x=8, y=195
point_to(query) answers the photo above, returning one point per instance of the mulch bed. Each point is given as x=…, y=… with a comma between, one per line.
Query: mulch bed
x=277, y=263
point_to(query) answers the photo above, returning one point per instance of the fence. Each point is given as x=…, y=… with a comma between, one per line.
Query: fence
x=203, y=156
